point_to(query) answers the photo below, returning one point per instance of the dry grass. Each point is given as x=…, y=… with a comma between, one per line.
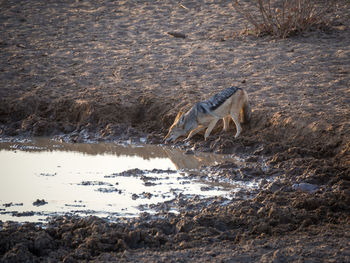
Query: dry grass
x=283, y=18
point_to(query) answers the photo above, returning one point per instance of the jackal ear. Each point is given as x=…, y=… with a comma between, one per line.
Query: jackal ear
x=179, y=115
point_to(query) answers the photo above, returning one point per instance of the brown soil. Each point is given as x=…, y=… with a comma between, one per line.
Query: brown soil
x=118, y=69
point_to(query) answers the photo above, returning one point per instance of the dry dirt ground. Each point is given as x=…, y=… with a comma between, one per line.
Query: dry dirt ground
x=109, y=70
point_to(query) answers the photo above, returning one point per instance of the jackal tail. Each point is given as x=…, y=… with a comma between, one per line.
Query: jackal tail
x=246, y=111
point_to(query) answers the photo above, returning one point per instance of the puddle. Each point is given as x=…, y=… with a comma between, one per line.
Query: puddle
x=44, y=178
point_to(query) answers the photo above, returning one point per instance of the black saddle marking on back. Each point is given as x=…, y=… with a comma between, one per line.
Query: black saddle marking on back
x=218, y=99
x=201, y=108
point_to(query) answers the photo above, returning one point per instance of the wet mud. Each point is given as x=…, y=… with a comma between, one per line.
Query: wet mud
x=110, y=71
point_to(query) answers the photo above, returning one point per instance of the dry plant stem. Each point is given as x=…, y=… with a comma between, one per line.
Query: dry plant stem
x=264, y=14
x=245, y=14
x=295, y=16
x=283, y=11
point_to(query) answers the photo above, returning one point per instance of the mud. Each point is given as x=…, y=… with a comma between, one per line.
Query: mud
x=110, y=71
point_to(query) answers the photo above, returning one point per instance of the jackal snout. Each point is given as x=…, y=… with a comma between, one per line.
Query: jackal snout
x=177, y=128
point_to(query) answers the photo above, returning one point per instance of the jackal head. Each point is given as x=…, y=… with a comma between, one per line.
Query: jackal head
x=177, y=129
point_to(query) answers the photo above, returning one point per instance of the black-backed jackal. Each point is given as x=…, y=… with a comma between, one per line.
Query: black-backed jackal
x=230, y=103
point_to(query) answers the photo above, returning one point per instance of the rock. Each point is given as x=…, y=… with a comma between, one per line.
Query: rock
x=177, y=34
x=274, y=187
x=305, y=187
x=39, y=202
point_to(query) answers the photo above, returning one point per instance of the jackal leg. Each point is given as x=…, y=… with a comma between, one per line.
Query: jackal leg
x=195, y=131
x=235, y=118
x=210, y=128
x=226, y=123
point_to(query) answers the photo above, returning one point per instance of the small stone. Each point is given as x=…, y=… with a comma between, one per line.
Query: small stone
x=305, y=187
x=39, y=202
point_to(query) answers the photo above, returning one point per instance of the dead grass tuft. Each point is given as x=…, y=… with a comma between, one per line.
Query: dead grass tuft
x=283, y=18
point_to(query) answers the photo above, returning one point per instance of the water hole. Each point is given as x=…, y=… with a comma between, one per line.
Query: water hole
x=42, y=178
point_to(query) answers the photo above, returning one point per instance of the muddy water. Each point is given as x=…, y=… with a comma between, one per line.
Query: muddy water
x=44, y=178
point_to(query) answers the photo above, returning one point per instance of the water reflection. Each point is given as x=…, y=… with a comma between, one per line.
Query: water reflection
x=91, y=179
x=180, y=159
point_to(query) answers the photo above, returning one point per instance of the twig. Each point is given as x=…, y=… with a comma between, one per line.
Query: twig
x=184, y=7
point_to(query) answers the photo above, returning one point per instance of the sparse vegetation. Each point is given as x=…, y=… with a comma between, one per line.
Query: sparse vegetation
x=283, y=18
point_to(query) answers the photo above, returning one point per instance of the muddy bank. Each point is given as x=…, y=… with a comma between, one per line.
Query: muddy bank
x=280, y=225
x=108, y=70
